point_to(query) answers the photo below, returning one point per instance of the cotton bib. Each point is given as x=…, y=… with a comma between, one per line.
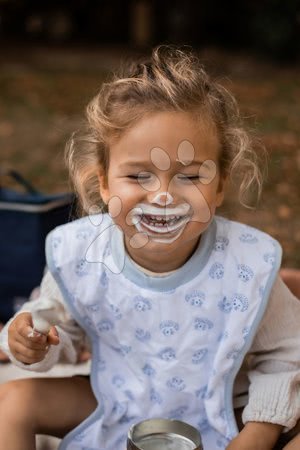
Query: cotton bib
x=169, y=346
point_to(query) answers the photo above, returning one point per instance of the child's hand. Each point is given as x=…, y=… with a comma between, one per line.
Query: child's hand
x=256, y=436
x=27, y=346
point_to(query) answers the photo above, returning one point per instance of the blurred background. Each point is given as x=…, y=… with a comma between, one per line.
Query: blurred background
x=54, y=55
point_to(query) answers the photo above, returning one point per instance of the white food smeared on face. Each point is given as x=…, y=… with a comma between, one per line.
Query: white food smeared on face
x=163, y=199
x=163, y=225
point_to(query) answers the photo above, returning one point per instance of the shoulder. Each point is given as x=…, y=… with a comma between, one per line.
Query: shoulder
x=75, y=237
x=82, y=228
x=247, y=242
x=242, y=233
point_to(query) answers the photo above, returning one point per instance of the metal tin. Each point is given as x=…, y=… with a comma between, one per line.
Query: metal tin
x=163, y=434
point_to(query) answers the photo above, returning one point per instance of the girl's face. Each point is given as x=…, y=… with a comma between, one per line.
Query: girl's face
x=163, y=185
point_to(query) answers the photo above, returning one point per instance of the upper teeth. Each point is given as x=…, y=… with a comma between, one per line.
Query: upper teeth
x=166, y=218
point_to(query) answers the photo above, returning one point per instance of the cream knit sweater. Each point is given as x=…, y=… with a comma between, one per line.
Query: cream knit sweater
x=268, y=383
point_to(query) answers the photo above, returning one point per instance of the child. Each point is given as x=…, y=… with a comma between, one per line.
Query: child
x=185, y=311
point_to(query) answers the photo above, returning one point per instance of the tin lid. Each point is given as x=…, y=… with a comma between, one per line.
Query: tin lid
x=164, y=433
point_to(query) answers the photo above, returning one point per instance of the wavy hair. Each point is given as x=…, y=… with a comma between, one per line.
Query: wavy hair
x=172, y=79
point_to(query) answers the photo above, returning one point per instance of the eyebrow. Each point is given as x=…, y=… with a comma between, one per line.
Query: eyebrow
x=134, y=164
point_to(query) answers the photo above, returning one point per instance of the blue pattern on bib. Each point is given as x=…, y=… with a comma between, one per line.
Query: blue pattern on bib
x=171, y=351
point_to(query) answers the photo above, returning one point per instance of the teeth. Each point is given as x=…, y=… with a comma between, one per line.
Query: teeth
x=164, y=218
x=161, y=221
x=168, y=226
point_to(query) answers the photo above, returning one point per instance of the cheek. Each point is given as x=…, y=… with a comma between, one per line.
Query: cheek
x=203, y=200
x=125, y=191
x=130, y=194
x=115, y=206
x=202, y=209
x=123, y=198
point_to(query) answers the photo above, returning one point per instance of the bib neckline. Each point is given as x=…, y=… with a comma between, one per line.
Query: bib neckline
x=168, y=282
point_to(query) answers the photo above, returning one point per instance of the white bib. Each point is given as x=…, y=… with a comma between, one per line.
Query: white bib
x=163, y=346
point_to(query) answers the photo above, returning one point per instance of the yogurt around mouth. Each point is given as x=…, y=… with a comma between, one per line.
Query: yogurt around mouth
x=160, y=224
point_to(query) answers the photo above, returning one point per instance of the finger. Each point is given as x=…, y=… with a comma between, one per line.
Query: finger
x=31, y=340
x=53, y=336
x=31, y=344
x=23, y=318
x=28, y=331
x=29, y=334
x=31, y=353
x=27, y=355
x=21, y=322
x=27, y=360
x=18, y=341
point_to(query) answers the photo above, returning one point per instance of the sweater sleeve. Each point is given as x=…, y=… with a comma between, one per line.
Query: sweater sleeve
x=71, y=336
x=274, y=362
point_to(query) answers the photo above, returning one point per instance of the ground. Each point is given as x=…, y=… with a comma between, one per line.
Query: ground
x=44, y=91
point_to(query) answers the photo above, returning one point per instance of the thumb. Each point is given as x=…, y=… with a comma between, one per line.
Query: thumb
x=53, y=337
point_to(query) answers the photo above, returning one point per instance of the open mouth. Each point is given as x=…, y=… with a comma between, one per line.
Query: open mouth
x=162, y=223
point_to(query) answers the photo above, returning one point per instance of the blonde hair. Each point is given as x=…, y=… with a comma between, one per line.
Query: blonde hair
x=172, y=79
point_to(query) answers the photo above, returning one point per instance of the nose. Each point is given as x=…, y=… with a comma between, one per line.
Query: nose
x=163, y=199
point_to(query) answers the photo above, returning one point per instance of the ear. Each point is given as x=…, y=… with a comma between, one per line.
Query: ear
x=103, y=186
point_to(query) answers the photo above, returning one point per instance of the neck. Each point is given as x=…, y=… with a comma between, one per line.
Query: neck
x=160, y=262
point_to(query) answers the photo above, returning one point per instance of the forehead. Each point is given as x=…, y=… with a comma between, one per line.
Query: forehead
x=172, y=132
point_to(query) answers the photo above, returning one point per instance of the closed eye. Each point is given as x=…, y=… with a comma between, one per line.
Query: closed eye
x=138, y=177
x=189, y=177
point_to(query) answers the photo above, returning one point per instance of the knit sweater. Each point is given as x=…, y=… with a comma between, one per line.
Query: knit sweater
x=267, y=385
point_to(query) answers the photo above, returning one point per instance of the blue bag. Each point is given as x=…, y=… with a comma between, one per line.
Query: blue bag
x=25, y=220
